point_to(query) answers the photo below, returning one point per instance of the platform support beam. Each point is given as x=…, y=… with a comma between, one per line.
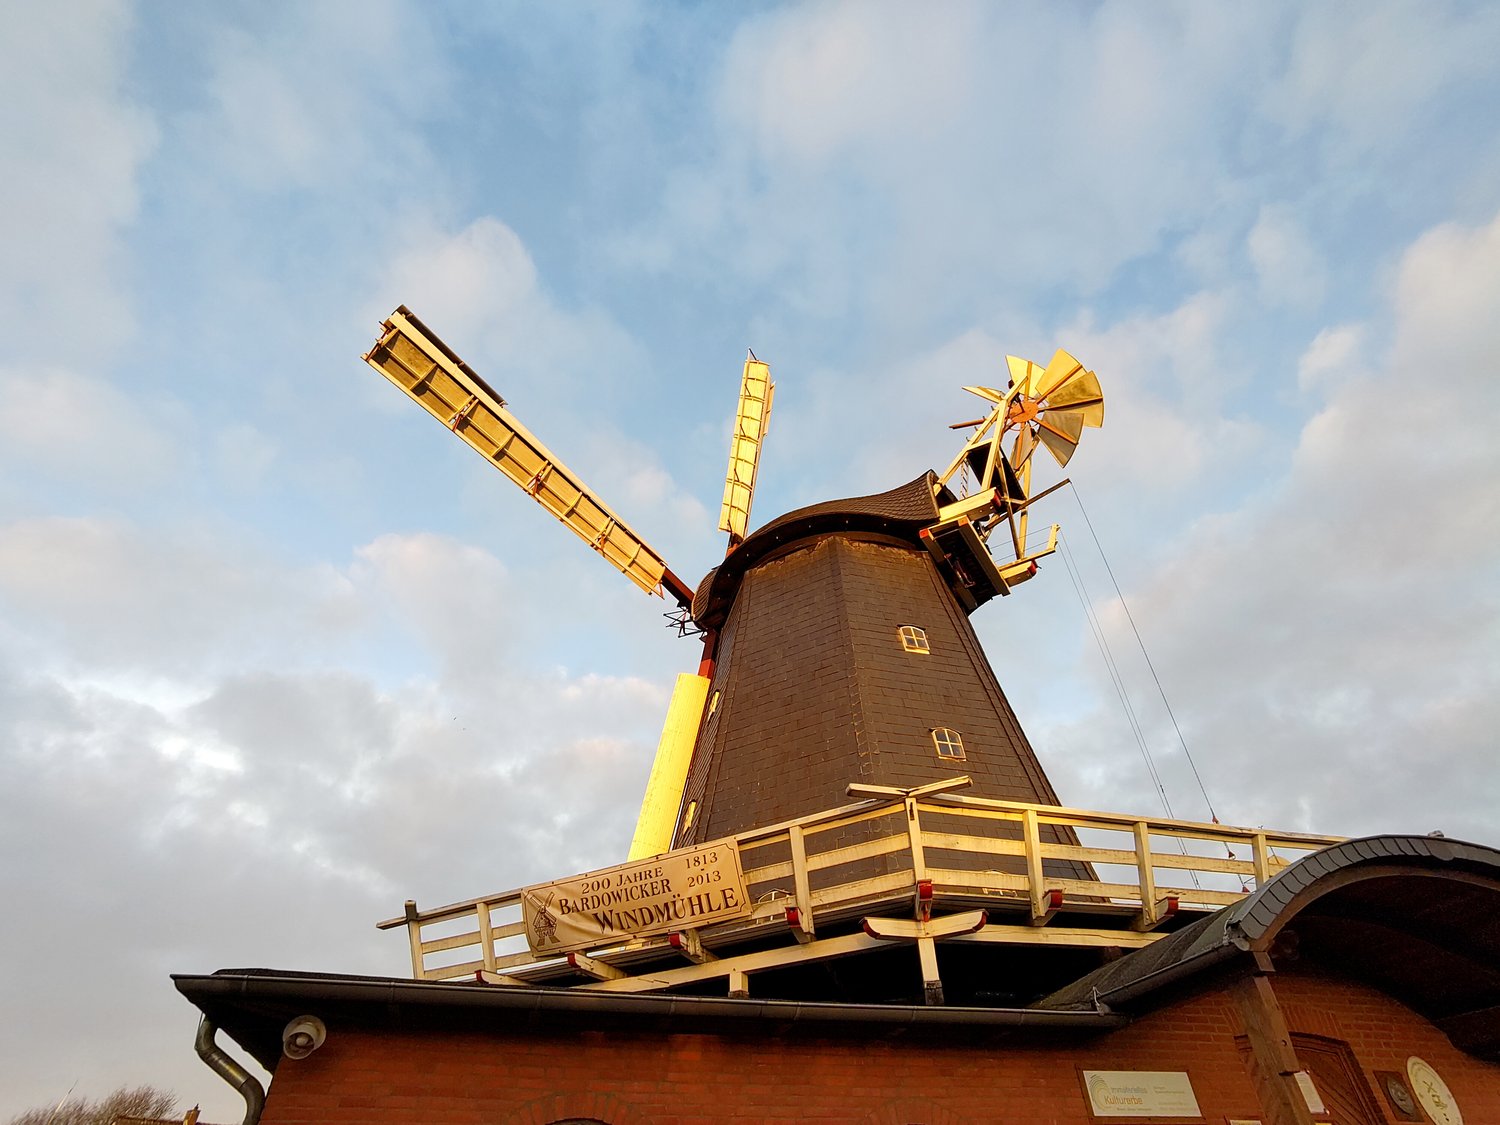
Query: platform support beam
x=1273, y=1063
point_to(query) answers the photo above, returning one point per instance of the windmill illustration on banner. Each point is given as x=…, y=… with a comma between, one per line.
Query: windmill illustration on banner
x=1047, y=406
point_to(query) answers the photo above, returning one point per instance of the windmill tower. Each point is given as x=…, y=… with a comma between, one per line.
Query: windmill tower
x=837, y=645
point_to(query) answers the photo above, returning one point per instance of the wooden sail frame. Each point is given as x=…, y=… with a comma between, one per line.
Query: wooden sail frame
x=432, y=375
x=752, y=418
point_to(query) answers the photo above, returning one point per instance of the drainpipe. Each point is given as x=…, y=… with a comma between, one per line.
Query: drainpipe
x=232, y=1072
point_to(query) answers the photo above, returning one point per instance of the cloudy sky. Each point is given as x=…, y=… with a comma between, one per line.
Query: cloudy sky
x=277, y=653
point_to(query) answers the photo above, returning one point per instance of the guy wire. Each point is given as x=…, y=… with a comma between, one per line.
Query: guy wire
x=1073, y=488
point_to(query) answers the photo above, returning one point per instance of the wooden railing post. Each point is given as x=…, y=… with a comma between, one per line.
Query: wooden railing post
x=486, y=939
x=932, y=981
x=1262, y=859
x=914, y=831
x=1032, y=841
x=1147, y=875
x=800, y=881
x=414, y=938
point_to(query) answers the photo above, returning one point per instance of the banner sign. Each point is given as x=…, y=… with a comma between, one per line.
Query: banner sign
x=1140, y=1093
x=675, y=891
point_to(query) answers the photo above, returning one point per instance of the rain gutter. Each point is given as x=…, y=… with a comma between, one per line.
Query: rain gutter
x=386, y=994
x=1170, y=974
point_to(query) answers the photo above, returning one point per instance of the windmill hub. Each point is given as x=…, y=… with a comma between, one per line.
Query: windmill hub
x=1022, y=409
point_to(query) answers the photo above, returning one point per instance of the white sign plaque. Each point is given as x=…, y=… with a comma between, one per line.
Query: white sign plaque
x=1140, y=1093
x=1310, y=1093
x=675, y=891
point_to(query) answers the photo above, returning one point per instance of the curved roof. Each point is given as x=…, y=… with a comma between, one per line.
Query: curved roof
x=1416, y=916
x=901, y=513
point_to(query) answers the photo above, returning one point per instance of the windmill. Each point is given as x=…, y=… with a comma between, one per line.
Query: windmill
x=1046, y=406
x=837, y=646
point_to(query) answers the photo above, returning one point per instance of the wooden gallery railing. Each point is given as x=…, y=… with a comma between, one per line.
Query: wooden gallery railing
x=1032, y=868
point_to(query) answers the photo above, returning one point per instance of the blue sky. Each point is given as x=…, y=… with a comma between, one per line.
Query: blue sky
x=276, y=653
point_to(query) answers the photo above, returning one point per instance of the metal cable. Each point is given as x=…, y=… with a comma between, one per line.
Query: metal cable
x=1076, y=574
x=1079, y=588
x=1073, y=488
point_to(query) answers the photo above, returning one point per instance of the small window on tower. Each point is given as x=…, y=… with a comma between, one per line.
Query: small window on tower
x=914, y=639
x=949, y=743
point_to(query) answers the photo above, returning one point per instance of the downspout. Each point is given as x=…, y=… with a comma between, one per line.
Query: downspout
x=245, y=1083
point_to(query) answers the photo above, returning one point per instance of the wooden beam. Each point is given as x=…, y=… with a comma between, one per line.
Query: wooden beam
x=1061, y=936
x=1261, y=857
x=1146, y=875
x=907, y=929
x=1159, y=911
x=1051, y=903
x=414, y=939
x=914, y=833
x=739, y=985
x=595, y=968
x=800, y=880
x=932, y=983
x=1273, y=1062
x=820, y=950
x=1191, y=829
x=1032, y=842
x=890, y=793
x=690, y=945
x=486, y=935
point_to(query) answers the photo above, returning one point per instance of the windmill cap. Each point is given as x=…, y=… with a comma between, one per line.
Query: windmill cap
x=900, y=513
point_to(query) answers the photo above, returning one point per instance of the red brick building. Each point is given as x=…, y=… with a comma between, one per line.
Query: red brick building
x=1346, y=967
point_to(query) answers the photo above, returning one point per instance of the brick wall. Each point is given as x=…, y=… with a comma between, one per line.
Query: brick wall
x=532, y=1078
x=1383, y=1035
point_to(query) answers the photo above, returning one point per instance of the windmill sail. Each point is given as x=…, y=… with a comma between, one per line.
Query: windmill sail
x=447, y=388
x=751, y=420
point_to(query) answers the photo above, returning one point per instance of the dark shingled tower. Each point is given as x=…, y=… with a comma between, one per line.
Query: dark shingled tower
x=812, y=687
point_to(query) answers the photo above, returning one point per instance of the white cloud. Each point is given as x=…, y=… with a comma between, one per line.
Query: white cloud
x=293, y=93
x=74, y=141
x=911, y=165
x=1288, y=268
x=110, y=595
x=479, y=290
x=1171, y=389
x=1334, y=355
x=817, y=84
x=82, y=429
x=457, y=598
x=1448, y=296
x=1373, y=74
x=244, y=455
